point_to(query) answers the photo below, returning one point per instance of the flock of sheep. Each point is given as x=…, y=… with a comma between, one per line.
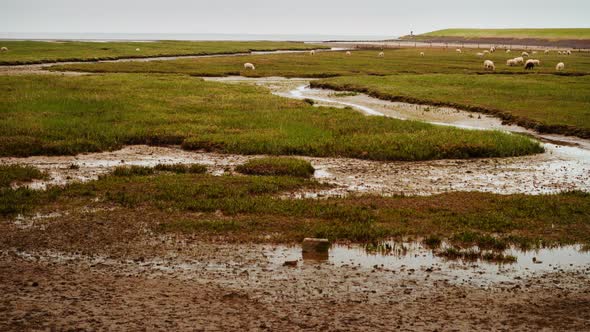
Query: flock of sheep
x=528, y=64
x=487, y=64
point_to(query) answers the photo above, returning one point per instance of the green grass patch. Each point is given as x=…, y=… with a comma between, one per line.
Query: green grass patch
x=551, y=34
x=547, y=103
x=132, y=171
x=68, y=115
x=330, y=64
x=277, y=166
x=29, y=52
x=17, y=173
x=181, y=168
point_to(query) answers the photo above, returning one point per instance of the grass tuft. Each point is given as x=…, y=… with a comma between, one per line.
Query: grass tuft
x=181, y=168
x=17, y=173
x=123, y=171
x=277, y=166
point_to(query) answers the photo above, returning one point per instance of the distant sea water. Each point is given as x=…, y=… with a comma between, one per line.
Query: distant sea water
x=184, y=36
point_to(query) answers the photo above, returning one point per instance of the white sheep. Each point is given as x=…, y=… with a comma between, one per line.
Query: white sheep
x=492, y=49
x=534, y=52
x=536, y=62
x=312, y=52
x=137, y=49
x=458, y=50
x=559, y=52
x=508, y=51
x=248, y=65
x=560, y=66
x=546, y=52
x=348, y=53
x=479, y=54
x=486, y=52
x=489, y=65
x=4, y=49
x=421, y=53
x=524, y=54
x=568, y=52
x=519, y=60
x=381, y=54
x=511, y=62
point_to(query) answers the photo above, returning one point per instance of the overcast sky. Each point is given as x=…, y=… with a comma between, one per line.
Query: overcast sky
x=345, y=17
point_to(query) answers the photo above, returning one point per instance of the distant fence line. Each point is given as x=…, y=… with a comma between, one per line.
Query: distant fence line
x=466, y=45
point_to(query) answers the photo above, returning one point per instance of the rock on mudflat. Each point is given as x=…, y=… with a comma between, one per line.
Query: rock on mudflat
x=311, y=245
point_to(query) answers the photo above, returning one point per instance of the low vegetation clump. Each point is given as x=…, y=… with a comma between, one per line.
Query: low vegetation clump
x=132, y=171
x=16, y=173
x=45, y=115
x=29, y=52
x=474, y=255
x=546, y=103
x=181, y=168
x=277, y=166
x=253, y=209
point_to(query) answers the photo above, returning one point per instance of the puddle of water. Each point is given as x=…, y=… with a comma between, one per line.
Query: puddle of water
x=414, y=258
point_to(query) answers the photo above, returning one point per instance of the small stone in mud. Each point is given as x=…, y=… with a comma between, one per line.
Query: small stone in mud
x=34, y=284
x=290, y=263
x=315, y=245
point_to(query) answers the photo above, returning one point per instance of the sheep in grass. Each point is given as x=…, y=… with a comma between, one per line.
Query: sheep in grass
x=508, y=51
x=536, y=62
x=511, y=62
x=524, y=54
x=421, y=53
x=486, y=52
x=530, y=64
x=560, y=66
x=519, y=60
x=312, y=52
x=458, y=50
x=3, y=49
x=381, y=54
x=489, y=65
x=492, y=49
x=137, y=50
x=546, y=52
x=534, y=52
x=559, y=52
x=479, y=54
x=568, y=52
x=250, y=66
x=348, y=53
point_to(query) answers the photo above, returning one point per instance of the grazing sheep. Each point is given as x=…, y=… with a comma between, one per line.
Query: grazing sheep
x=479, y=54
x=4, y=49
x=348, y=53
x=534, y=52
x=312, y=52
x=568, y=52
x=248, y=65
x=486, y=52
x=511, y=62
x=508, y=51
x=489, y=65
x=546, y=52
x=492, y=49
x=137, y=49
x=559, y=52
x=458, y=50
x=530, y=64
x=560, y=66
x=421, y=53
x=536, y=62
x=519, y=60
x=524, y=54
x=381, y=54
